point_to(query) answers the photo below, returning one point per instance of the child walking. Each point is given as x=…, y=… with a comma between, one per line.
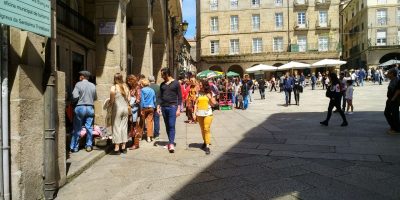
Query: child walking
x=349, y=96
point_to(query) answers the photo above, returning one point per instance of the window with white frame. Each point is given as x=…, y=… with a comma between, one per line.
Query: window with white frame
x=278, y=3
x=234, y=23
x=323, y=43
x=234, y=46
x=381, y=1
x=301, y=1
x=381, y=37
x=255, y=20
x=257, y=45
x=278, y=44
x=214, y=24
x=381, y=16
x=302, y=43
x=398, y=36
x=234, y=3
x=255, y=3
x=398, y=16
x=323, y=18
x=278, y=20
x=301, y=19
x=214, y=47
x=213, y=4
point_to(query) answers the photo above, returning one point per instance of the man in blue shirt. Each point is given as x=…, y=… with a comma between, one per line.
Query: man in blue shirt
x=361, y=76
x=288, y=84
x=85, y=95
x=156, y=116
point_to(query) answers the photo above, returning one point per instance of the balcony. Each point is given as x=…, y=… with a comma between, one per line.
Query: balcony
x=268, y=49
x=301, y=27
x=386, y=43
x=322, y=3
x=75, y=21
x=300, y=4
x=323, y=26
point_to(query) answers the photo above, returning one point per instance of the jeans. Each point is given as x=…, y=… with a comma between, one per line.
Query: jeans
x=362, y=81
x=313, y=86
x=169, y=115
x=83, y=116
x=233, y=98
x=262, y=93
x=392, y=115
x=156, y=119
x=245, y=101
x=288, y=96
x=249, y=96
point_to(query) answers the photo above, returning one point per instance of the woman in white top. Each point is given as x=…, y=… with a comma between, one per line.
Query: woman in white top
x=349, y=96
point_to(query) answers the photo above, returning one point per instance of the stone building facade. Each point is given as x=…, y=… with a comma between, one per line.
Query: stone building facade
x=234, y=35
x=371, y=32
x=101, y=36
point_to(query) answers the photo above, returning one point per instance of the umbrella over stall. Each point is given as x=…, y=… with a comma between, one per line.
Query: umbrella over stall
x=232, y=74
x=261, y=67
x=207, y=74
x=389, y=63
x=294, y=65
x=328, y=63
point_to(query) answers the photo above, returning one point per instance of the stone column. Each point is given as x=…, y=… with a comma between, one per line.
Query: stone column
x=110, y=49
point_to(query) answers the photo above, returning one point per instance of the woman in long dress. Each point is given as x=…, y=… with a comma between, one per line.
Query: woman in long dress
x=119, y=99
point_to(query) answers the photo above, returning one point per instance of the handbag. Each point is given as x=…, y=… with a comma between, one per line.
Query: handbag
x=329, y=93
x=129, y=109
x=135, y=130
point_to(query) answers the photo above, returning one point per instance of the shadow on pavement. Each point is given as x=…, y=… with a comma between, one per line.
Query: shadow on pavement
x=291, y=156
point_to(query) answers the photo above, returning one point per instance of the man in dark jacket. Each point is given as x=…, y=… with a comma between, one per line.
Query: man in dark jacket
x=261, y=86
x=246, y=85
x=393, y=102
x=288, y=84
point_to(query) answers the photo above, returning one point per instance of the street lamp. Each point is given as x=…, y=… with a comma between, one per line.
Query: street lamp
x=184, y=26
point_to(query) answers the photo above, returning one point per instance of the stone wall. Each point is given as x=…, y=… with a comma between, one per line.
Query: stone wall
x=26, y=114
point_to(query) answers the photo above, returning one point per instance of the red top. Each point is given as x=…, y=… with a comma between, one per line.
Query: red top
x=185, y=91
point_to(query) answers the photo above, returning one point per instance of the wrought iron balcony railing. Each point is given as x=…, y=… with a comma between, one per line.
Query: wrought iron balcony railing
x=323, y=26
x=322, y=3
x=271, y=49
x=75, y=21
x=300, y=4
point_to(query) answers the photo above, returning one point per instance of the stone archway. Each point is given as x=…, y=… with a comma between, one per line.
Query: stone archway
x=236, y=68
x=389, y=56
x=216, y=68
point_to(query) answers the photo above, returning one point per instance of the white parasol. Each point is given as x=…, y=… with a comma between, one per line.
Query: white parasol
x=294, y=65
x=328, y=63
x=261, y=67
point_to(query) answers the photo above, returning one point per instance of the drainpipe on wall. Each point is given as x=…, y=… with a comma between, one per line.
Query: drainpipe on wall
x=50, y=114
x=5, y=147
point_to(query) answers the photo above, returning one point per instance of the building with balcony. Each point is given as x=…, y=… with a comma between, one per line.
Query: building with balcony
x=233, y=35
x=102, y=36
x=370, y=32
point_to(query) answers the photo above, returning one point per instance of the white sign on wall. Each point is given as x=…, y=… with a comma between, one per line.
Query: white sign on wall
x=107, y=28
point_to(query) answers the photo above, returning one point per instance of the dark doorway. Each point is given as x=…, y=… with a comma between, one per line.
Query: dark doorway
x=236, y=68
x=389, y=56
x=77, y=66
x=216, y=68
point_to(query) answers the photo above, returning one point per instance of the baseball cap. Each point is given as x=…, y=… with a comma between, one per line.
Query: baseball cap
x=85, y=73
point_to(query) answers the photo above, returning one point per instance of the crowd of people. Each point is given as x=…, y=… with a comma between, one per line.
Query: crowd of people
x=136, y=104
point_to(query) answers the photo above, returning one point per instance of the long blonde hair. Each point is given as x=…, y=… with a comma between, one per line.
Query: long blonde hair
x=119, y=80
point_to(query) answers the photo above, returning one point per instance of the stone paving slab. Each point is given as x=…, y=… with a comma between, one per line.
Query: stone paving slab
x=266, y=152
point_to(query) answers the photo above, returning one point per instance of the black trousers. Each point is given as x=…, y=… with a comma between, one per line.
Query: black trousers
x=335, y=103
x=392, y=115
x=297, y=95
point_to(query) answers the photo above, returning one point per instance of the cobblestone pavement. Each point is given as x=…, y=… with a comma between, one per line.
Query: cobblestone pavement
x=266, y=152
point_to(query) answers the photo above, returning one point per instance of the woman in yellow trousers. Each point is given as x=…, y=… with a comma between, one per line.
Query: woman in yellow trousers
x=203, y=113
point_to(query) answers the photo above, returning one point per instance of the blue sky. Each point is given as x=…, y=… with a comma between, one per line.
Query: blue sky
x=189, y=14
